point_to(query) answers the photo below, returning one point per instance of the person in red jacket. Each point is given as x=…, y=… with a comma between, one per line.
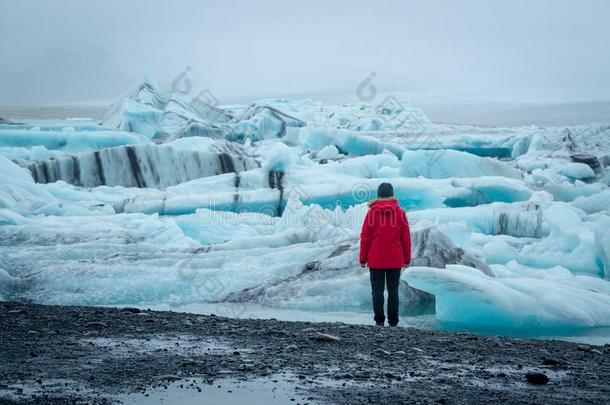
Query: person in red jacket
x=385, y=246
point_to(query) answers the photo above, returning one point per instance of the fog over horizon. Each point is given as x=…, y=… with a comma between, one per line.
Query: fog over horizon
x=55, y=52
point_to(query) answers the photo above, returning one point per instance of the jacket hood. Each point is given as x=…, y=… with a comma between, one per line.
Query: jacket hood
x=383, y=201
x=386, y=206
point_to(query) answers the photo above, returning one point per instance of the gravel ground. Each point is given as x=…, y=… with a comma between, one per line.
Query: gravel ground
x=55, y=354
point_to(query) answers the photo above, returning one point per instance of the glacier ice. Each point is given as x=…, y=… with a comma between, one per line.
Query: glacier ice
x=328, y=152
x=577, y=171
x=465, y=296
x=19, y=193
x=139, y=166
x=77, y=139
x=177, y=201
x=439, y=164
x=569, y=243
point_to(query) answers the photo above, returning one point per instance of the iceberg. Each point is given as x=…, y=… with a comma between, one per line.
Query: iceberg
x=451, y=163
x=465, y=297
x=570, y=243
x=140, y=166
x=177, y=201
x=68, y=139
x=19, y=193
x=262, y=121
x=578, y=171
x=211, y=256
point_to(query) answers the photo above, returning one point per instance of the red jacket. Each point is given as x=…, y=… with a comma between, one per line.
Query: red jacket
x=385, y=240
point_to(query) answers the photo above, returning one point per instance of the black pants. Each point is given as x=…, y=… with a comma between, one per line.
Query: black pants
x=380, y=278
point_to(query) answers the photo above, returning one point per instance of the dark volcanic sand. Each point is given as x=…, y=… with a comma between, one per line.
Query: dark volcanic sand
x=53, y=354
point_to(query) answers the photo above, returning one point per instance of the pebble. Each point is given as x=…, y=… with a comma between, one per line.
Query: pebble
x=536, y=378
x=552, y=362
x=583, y=348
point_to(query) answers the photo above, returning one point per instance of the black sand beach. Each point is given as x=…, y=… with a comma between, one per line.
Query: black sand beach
x=54, y=354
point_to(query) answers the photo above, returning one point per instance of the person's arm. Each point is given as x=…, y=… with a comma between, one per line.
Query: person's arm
x=365, y=238
x=405, y=239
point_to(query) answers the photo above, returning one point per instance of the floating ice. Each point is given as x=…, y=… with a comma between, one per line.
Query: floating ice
x=19, y=193
x=140, y=166
x=571, y=243
x=328, y=152
x=439, y=164
x=68, y=141
x=279, y=157
x=467, y=297
x=578, y=171
x=175, y=200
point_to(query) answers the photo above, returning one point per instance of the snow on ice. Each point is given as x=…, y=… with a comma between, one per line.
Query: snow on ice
x=179, y=202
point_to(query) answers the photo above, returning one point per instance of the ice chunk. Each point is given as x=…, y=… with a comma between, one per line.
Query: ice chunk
x=602, y=243
x=139, y=166
x=438, y=164
x=499, y=251
x=484, y=190
x=432, y=248
x=8, y=284
x=145, y=92
x=160, y=115
x=577, y=171
x=595, y=203
x=142, y=119
x=469, y=298
x=263, y=120
x=570, y=243
x=279, y=157
x=523, y=220
x=390, y=114
x=19, y=193
x=328, y=152
x=211, y=227
x=347, y=142
x=67, y=141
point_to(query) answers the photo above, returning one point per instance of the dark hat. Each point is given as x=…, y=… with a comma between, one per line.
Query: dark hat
x=385, y=190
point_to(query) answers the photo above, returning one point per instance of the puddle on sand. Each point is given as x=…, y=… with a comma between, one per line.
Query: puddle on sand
x=273, y=389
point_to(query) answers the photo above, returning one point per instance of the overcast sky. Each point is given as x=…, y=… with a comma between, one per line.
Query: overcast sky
x=61, y=51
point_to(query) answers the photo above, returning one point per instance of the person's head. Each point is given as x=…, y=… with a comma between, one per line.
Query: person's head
x=385, y=190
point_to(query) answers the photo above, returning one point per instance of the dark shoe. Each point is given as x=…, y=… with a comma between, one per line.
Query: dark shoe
x=379, y=324
x=393, y=325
